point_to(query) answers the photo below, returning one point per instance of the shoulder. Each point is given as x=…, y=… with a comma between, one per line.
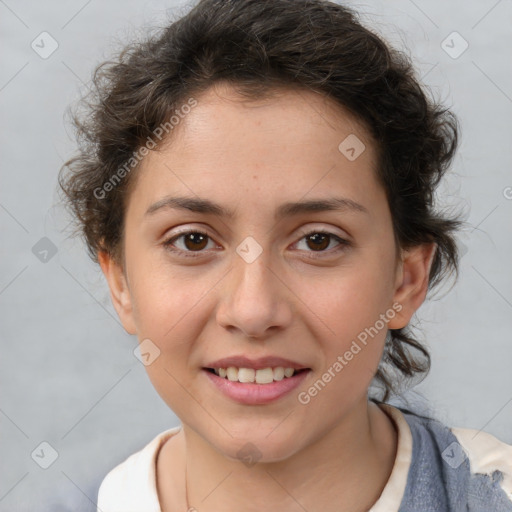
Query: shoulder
x=459, y=468
x=488, y=457
x=131, y=485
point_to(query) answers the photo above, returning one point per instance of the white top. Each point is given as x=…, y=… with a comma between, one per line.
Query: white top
x=131, y=486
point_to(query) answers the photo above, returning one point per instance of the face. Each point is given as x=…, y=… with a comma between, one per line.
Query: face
x=301, y=285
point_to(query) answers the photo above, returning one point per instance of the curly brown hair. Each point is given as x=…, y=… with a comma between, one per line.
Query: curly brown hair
x=258, y=47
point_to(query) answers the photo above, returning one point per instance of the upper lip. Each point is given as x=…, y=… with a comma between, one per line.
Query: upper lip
x=257, y=364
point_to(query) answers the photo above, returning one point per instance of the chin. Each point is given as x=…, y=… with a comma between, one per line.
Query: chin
x=254, y=447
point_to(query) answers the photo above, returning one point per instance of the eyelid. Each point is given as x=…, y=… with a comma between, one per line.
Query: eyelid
x=303, y=231
x=322, y=229
x=343, y=242
x=168, y=242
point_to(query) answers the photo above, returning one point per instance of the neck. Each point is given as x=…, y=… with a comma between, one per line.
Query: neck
x=350, y=464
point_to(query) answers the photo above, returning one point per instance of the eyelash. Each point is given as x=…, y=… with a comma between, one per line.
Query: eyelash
x=343, y=244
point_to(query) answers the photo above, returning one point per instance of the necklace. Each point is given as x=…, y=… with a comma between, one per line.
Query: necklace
x=189, y=508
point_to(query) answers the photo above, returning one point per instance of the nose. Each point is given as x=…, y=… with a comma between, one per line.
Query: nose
x=255, y=300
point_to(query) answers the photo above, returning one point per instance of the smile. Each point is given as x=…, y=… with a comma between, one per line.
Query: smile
x=240, y=385
x=248, y=375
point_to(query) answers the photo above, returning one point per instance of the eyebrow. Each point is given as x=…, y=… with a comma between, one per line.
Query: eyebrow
x=206, y=206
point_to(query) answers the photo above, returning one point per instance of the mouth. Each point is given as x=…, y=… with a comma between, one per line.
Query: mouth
x=248, y=386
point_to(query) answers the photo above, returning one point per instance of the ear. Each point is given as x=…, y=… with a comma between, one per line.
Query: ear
x=412, y=281
x=119, y=291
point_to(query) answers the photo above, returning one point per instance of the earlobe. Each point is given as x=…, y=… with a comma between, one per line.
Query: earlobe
x=119, y=291
x=412, y=282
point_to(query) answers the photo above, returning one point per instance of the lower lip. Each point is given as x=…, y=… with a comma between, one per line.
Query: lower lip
x=256, y=394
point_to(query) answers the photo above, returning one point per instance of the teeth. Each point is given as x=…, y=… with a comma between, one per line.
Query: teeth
x=248, y=375
x=232, y=373
x=279, y=373
x=265, y=376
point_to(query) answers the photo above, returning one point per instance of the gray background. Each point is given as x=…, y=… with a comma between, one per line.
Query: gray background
x=68, y=372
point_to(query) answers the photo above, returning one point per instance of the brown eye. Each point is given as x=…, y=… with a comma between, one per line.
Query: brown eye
x=319, y=241
x=190, y=242
x=195, y=241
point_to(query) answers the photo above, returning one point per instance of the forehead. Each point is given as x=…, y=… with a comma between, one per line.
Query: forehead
x=289, y=144
x=284, y=115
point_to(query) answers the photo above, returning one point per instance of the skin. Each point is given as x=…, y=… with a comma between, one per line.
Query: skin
x=251, y=157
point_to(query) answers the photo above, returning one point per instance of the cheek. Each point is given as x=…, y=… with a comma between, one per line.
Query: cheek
x=169, y=311
x=163, y=298
x=352, y=348
x=350, y=299
x=354, y=307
